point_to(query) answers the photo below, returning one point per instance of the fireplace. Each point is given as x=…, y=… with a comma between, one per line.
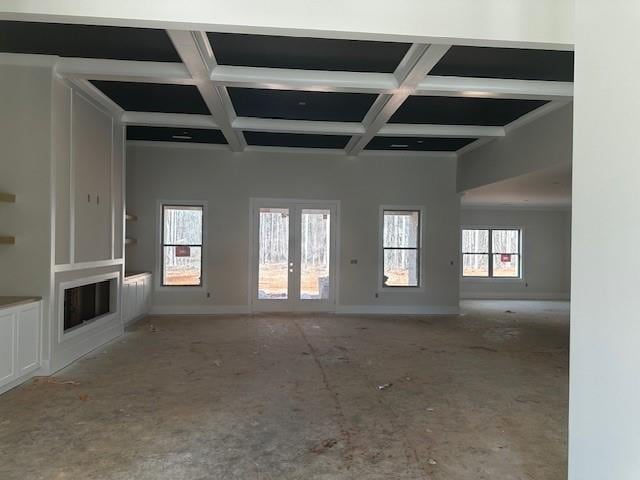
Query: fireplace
x=85, y=303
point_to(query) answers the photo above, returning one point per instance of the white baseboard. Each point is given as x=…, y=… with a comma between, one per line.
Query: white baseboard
x=514, y=296
x=396, y=310
x=200, y=309
x=20, y=380
x=340, y=309
x=63, y=354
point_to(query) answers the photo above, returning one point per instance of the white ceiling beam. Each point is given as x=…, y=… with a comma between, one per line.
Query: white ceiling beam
x=179, y=120
x=124, y=70
x=298, y=126
x=415, y=66
x=451, y=131
x=494, y=88
x=196, y=54
x=310, y=80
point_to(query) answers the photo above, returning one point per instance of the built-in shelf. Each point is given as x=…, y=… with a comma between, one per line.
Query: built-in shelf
x=7, y=240
x=7, y=197
x=130, y=241
x=130, y=217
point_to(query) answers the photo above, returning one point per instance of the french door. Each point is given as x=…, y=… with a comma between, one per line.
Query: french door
x=294, y=257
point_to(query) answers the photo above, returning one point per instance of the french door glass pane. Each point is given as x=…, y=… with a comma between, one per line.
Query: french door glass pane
x=315, y=254
x=400, y=268
x=182, y=265
x=475, y=265
x=273, y=260
x=506, y=265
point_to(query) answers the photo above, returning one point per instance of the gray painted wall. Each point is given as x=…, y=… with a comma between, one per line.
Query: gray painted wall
x=546, y=254
x=543, y=143
x=227, y=181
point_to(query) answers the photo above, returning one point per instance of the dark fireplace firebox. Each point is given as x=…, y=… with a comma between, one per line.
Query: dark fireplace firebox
x=85, y=303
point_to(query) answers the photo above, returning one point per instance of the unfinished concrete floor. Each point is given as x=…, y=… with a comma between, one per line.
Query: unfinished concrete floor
x=480, y=396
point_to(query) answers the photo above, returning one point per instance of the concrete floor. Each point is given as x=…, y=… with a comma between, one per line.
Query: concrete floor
x=480, y=396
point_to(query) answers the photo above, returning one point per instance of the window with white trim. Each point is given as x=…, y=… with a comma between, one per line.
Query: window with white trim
x=401, y=253
x=181, y=256
x=491, y=253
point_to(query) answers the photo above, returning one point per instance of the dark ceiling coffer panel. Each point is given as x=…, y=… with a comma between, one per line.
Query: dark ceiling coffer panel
x=463, y=110
x=510, y=63
x=300, y=105
x=154, y=97
x=87, y=41
x=301, y=140
x=419, y=144
x=306, y=53
x=171, y=134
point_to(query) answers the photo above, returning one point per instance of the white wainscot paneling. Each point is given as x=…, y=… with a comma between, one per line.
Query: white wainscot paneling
x=19, y=343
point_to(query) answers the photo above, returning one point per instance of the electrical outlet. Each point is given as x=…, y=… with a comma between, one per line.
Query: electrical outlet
x=354, y=261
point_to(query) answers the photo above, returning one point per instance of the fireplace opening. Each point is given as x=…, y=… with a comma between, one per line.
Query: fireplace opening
x=85, y=303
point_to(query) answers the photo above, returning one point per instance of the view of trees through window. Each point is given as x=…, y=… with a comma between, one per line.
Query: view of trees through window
x=401, y=248
x=181, y=245
x=491, y=253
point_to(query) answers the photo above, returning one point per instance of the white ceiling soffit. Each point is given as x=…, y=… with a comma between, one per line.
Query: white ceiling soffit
x=548, y=188
x=540, y=24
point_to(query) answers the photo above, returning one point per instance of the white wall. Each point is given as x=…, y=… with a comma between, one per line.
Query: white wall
x=604, y=418
x=227, y=181
x=543, y=143
x=25, y=116
x=25, y=170
x=547, y=22
x=546, y=253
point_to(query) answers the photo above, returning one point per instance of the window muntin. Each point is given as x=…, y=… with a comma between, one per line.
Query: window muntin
x=401, y=248
x=491, y=253
x=182, y=243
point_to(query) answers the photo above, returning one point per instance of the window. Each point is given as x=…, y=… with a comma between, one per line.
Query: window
x=491, y=253
x=400, y=248
x=182, y=245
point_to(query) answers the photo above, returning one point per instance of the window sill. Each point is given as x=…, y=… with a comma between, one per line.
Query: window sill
x=401, y=290
x=492, y=280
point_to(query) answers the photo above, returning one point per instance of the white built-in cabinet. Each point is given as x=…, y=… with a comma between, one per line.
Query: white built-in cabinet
x=91, y=164
x=19, y=342
x=136, y=296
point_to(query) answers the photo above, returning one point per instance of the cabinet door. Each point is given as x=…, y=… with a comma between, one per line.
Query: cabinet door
x=7, y=343
x=126, y=302
x=147, y=294
x=28, y=330
x=91, y=164
x=139, y=297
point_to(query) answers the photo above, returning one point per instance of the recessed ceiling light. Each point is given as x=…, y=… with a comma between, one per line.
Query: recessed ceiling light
x=399, y=145
x=302, y=104
x=181, y=137
x=420, y=141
